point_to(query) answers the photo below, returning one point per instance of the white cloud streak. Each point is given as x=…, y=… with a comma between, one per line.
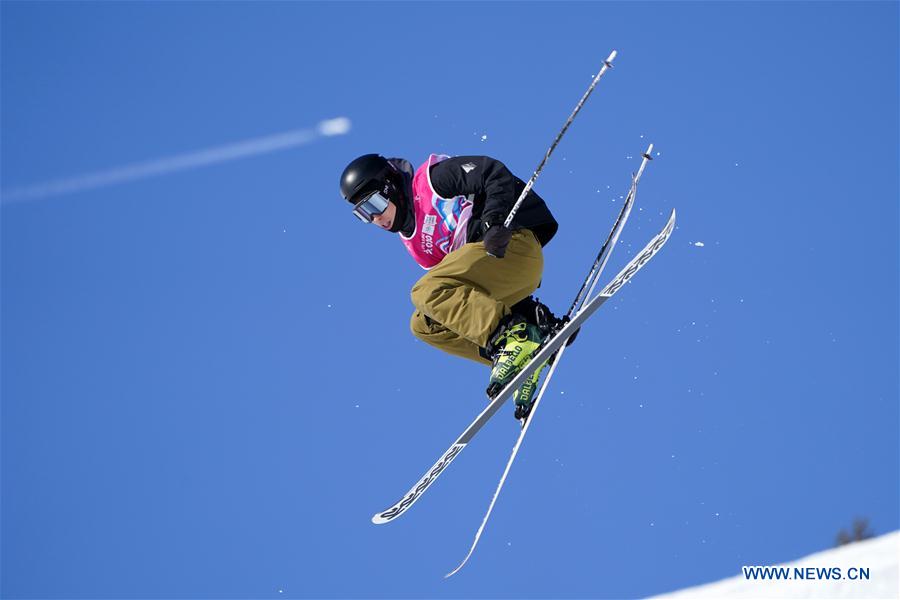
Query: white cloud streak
x=179, y=162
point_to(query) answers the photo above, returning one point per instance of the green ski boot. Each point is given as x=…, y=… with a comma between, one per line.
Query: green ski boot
x=524, y=396
x=511, y=347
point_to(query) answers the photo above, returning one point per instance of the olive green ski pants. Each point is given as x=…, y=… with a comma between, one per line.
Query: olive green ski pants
x=461, y=300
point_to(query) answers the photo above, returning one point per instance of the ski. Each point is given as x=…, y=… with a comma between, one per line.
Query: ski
x=509, y=463
x=547, y=350
x=580, y=299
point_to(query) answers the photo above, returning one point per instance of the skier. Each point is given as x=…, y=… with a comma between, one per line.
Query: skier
x=475, y=300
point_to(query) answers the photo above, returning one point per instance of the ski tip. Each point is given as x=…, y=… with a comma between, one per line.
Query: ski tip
x=379, y=519
x=610, y=58
x=649, y=153
x=671, y=221
x=457, y=569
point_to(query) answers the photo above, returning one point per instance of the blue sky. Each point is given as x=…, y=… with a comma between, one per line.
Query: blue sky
x=208, y=382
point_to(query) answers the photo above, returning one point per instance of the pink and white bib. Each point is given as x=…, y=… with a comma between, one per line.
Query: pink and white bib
x=440, y=222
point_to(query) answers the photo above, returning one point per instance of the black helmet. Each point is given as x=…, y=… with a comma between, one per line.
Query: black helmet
x=367, y=173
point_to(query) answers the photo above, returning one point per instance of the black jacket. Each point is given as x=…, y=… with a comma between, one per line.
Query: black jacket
x=495, y=191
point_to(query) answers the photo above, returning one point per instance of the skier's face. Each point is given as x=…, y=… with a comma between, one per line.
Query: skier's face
x=386, y=219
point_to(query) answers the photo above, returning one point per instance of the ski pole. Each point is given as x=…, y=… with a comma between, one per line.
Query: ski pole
x=607, y=64
x=603, y=255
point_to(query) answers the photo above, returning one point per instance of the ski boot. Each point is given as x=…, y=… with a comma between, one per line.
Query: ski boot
x=524, y=396
x=510, y=348
x=537, y=313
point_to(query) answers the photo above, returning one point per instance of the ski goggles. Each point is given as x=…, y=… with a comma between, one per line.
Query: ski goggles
x=370, y=207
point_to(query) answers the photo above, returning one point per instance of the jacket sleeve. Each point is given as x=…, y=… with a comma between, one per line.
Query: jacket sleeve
x=492, y=184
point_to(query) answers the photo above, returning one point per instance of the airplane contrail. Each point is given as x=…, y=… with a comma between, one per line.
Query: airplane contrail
x=180, y=162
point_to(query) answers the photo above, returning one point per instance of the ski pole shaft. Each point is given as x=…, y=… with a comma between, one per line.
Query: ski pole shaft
x=609, y=244
x=607, y=64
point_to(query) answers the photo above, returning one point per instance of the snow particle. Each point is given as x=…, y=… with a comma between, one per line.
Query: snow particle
x=484, y=138
x=699, y=244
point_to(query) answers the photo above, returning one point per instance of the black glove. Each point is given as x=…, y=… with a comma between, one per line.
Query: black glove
x=496, y=239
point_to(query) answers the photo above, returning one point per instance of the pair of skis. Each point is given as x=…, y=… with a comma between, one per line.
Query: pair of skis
x=551, y=350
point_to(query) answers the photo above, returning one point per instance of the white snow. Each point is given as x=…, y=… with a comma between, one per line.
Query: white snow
x=699, y=244
x=880, y=555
